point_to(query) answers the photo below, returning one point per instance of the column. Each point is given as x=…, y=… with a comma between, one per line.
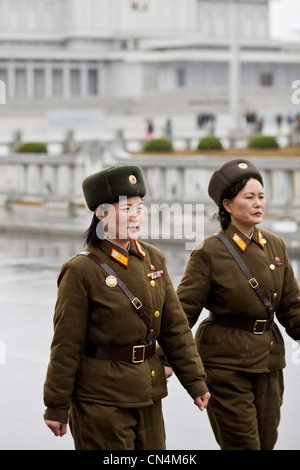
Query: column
x=30, y=80
x=11, y=79
x=48, y=80
x=66, y=80
x=84, y=79
x=234, y=66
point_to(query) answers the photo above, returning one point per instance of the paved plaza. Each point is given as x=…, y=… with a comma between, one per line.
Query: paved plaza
x=28, y=272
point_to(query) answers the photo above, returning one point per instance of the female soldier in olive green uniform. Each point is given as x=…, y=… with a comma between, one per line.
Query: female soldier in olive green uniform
x=104, y=372
x=241, y=348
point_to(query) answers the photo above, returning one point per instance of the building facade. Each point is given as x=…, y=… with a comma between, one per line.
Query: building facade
x=108, y=57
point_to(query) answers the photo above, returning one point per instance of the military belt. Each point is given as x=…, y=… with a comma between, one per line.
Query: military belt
x=134, y=354
x=257, y=327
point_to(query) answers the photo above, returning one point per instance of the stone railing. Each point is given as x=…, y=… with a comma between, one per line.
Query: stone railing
x=184, y=179
x=69, y=143
x=46, y=178
x=40, y=178
x=170, y=179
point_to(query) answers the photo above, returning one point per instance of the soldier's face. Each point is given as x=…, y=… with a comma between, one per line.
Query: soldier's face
x=248, y=207
x=122, y=220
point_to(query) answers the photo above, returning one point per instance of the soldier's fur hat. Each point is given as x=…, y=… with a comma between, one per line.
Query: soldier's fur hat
x=228, y=175
x=108, y=185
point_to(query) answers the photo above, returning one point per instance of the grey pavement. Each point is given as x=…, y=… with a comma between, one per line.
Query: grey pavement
x=28, y=272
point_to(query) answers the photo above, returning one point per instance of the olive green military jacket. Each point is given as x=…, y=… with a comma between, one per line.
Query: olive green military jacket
x=213, y=280
x=89, y=308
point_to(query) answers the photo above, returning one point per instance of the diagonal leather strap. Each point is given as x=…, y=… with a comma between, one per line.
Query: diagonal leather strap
x=252, y=281
x=134, y=300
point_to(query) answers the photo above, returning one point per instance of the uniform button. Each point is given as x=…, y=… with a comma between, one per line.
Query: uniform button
x=272, y=267
x=152, y=283
x=156, y=314
x=275, y=295
x=271, y=344
x=153, y=373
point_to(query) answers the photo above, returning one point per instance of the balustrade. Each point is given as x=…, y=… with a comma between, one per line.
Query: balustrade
x=170, y=179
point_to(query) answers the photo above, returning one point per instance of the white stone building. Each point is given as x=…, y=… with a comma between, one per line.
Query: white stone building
x=93, y=65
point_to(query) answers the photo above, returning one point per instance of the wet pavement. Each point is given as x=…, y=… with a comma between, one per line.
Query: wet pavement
x=28, y=272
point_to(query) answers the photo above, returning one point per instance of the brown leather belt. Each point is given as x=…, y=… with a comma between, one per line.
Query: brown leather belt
x=257, y=327
x=134, y=354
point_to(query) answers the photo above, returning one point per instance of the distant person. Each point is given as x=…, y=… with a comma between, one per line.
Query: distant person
x=259, y=124
x=278, y=121
x=251, y=117
x=149, y=129
x=240, y=345
x=169, y=129
x=290, y=119
x=115, y=302
x=202, y=119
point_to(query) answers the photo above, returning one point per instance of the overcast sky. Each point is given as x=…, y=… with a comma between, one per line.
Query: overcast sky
x=285, y=19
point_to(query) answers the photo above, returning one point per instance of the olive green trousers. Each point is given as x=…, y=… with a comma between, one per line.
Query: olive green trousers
x=100, y=427
x=244, y=408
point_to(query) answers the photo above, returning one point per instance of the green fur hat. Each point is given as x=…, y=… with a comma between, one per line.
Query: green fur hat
x=108, y=185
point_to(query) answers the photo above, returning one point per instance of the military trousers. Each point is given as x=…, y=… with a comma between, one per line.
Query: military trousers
x=244, y=408
x=101, y=427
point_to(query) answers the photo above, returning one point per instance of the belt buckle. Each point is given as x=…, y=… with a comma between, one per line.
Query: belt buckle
x=136, y=303
x=255, y=326
x=253, y=283
x=139, y=346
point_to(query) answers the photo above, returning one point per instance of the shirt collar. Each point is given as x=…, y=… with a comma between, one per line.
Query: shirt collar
x=117, y=246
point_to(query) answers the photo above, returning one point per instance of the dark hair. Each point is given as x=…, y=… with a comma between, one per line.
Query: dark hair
x=223, y=216
x=94, y=233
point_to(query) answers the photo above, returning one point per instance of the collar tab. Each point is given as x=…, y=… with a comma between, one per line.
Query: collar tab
x=119, y=257
x=239, y=242
x=139, y=249
x=261, y=240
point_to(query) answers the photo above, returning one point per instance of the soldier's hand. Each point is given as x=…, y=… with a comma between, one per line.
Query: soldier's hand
x=168, y=371
x=58, y=429
x=202, y=402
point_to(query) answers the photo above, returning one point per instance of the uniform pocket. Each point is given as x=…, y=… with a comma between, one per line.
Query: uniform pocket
x=233, y=348
x=113, y=382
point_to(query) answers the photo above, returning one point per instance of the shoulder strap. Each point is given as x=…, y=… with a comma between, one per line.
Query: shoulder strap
x=134, y=300
x=252, y=281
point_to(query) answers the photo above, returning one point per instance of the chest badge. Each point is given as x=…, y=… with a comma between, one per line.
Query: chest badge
x=278, y=262
x=122, y=259
x=240, y=243
x=111, y=281
x=155, y=274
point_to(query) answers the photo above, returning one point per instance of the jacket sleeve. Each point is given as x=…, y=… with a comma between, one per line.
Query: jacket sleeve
x=195, y=285
x=70, y=330
x=178, y=344
x=288, y=310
